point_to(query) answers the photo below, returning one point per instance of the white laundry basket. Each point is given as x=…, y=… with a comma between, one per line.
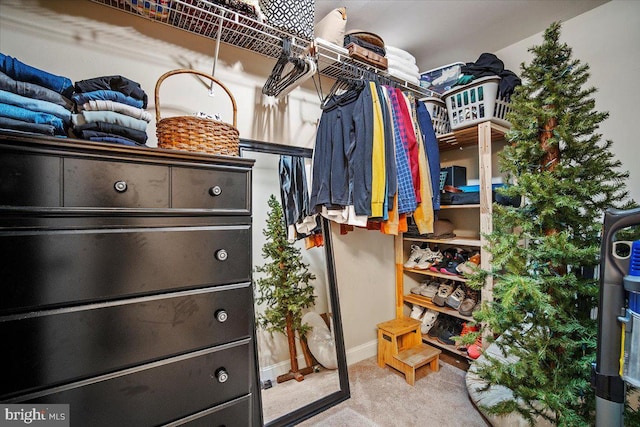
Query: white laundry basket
x=438, y=111
x=475, y=103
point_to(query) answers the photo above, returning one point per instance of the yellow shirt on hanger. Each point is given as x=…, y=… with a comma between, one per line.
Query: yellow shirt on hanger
x=378, y=166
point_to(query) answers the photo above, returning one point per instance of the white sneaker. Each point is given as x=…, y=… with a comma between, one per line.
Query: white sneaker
x=418, y=289
x=444, y=290
x=428, y=320
x=429, y=259
x=417, y=312
x=414, y=256
x=456, y=297
x=430, y=290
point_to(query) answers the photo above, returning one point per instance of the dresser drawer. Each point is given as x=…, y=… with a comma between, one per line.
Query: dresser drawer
x=106, y=184
x=74, y=266
x=236, y=413
x=158, y=393
x=217, y=189
x=29, y=180
x=54, y=347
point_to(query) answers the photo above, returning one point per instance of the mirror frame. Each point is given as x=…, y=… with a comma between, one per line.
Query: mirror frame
x=344, y=393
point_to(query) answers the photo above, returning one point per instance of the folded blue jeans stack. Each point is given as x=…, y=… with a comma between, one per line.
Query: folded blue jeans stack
x=33, y=100
x=102, y=109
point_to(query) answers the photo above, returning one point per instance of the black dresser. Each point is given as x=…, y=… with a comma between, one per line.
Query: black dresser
x=126, y=283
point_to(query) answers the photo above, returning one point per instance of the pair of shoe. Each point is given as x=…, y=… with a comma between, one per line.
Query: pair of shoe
x=470, y=302
x=428, y=320
x=414, y=256
x=455, y=299
x=470, y=265
x=459, y=297
x=467, y=328
x=451, y=259
x=416, y=312
x=475, y=350
x=445, y=328
x=426, y=289
x=426, y=316
x=431, y=289
x=419, y=288
x=444, y=291
x=422, y=258
x=428, y=259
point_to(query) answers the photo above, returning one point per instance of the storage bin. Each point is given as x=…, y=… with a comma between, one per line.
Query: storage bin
x=441, y=79
x=293, y=17
x=438, y=111
x=456, y=175
x=475, y=103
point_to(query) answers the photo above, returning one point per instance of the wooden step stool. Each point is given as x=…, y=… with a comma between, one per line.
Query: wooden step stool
x=400, y=346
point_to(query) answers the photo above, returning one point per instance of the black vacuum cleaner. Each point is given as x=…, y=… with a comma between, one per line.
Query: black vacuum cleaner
x=618, y=353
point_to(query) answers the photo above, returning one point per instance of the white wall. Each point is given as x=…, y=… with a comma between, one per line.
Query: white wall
x=606, y=38
x=365, y=267
x=80, y=40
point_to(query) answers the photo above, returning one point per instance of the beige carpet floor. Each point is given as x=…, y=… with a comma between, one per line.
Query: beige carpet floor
x=282, y=398
x=380, y=397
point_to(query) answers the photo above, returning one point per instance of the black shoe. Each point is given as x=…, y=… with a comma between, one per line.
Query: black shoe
x=458, y=258
x=452, y=329
x=447, y=255
x=437, y=327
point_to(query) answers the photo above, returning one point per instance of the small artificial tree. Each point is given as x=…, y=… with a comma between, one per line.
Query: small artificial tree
x=284, y=289
x=544, y=253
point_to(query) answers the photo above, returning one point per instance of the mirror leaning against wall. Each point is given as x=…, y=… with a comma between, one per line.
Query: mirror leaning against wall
x=317, y=355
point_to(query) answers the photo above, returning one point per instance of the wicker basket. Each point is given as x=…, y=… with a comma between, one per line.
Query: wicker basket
x=197, y=134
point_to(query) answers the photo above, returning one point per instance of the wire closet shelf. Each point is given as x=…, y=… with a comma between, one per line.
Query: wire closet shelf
x=218, y=23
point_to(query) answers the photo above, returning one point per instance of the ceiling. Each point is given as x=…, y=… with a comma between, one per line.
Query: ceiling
x=439, y=32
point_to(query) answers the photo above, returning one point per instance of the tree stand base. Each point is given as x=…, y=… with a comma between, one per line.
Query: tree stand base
x=297, y=375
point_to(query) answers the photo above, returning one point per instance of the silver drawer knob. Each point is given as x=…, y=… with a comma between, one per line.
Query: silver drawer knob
x=120, y=186
x=222, y=255
x=222, y=316
x=222, y=375
x=215, y=190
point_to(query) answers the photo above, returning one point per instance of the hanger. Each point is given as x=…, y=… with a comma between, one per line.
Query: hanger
x=311, y=69
x=344, y=84
x=289, y=70
x=297, y=69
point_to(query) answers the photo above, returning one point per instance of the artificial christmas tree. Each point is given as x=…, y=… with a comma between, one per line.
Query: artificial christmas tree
x=284, y=290
x=544, y=252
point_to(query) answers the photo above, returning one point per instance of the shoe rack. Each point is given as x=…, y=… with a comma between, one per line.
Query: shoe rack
x=476, y=148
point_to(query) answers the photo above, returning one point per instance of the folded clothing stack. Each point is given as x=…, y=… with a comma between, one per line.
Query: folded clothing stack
x=402, y=64
x=33, y=100
x=366, y=47
x=111, y=109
